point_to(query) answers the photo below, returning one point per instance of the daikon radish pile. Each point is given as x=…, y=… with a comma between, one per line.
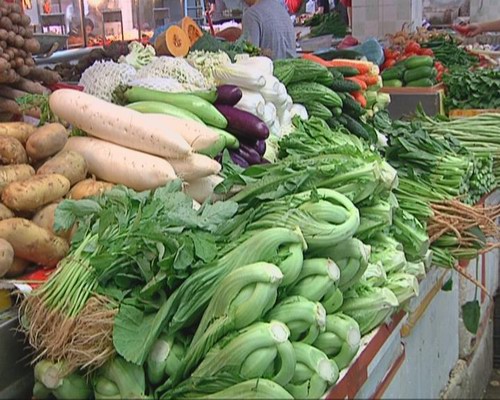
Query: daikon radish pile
x=117, y=124
x=195, y=166
x=117, y=164
x=203, y=188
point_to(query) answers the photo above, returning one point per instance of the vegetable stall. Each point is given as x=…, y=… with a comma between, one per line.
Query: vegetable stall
x=218, y=224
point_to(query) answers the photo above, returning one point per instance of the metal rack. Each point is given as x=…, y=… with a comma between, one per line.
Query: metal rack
x=52, y=19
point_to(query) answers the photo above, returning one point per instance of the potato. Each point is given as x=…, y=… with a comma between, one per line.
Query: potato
x=70, y=164
x=32, y=243
x=35, y=192
x=13, y=173
x=17, y=268
x=19, y=130
x=12, y=151
x=46, y=141
x=5, y=212
x=88, y=188
x=45, y=219
x=6, y=257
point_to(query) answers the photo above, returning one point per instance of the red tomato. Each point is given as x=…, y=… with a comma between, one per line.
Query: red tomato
x=388, y=63
x=412, y=47
x=388, y=53
x=426, y=52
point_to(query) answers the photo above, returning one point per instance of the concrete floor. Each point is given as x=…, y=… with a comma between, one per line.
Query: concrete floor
x=493, y=389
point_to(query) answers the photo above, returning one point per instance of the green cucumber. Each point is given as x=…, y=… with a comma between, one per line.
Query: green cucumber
x=336, y=111
x=346, y=72
x=345, y=86
x=354, y=127
x=317, y=109
x=335, y=54
x=418, y=61
x=393, y=83
x=425, y=82
x=417, y=73
x=392, y=73
x=198, y=106
x=352, y=107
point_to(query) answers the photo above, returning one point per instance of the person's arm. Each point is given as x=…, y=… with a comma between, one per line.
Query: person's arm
x=476, y=29
x=251, y=28
x=211, y=8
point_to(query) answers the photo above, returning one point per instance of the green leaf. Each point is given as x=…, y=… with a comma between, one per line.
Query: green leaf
x=69, y=210
x=448, y=285
x=471, y=314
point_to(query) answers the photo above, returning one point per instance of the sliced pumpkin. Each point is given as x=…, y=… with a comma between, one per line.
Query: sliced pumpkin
x=192, y=29
x=173, y=42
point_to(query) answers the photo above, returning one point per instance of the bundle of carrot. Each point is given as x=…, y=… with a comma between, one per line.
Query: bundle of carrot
x=361, y=81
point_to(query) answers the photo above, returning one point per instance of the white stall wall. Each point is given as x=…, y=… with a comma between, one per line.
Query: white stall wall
x=485, y=10
x=377, y=18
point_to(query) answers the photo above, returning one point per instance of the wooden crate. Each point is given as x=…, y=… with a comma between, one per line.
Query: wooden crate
x=455, y=114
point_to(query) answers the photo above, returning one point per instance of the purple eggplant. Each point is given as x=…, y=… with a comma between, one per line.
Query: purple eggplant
x=238, y=160
x=260, y=146
x=228, y=95
x=242, y=124
x=249, y=153
x=265, y=161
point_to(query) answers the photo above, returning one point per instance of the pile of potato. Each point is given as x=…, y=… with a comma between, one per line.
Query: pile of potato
x=17, y=43
x=36, y=173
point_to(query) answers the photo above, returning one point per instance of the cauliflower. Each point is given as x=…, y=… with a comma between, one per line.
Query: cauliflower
x=160, y=84
x=175, y=68
x=207, y=63
x=103, y=77
x=139, y=55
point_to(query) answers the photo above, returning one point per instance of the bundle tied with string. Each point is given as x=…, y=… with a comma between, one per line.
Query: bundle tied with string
x=65, y=319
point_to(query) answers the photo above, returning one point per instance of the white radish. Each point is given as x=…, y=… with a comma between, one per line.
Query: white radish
x=269, y=114
x=197, y=135
x=252, y=102
x=117, y=124
x=203, y=188
x=117, y=164
x=195, y=166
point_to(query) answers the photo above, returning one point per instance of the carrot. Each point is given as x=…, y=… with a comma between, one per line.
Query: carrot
x=316, y=59
x=360, y=98
x=363, y=67
x=370, y=80
x=117, y=164
x=117, y=124
x=360, y=82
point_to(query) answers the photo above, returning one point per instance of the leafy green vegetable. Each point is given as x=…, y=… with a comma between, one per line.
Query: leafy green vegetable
x=472, y=89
